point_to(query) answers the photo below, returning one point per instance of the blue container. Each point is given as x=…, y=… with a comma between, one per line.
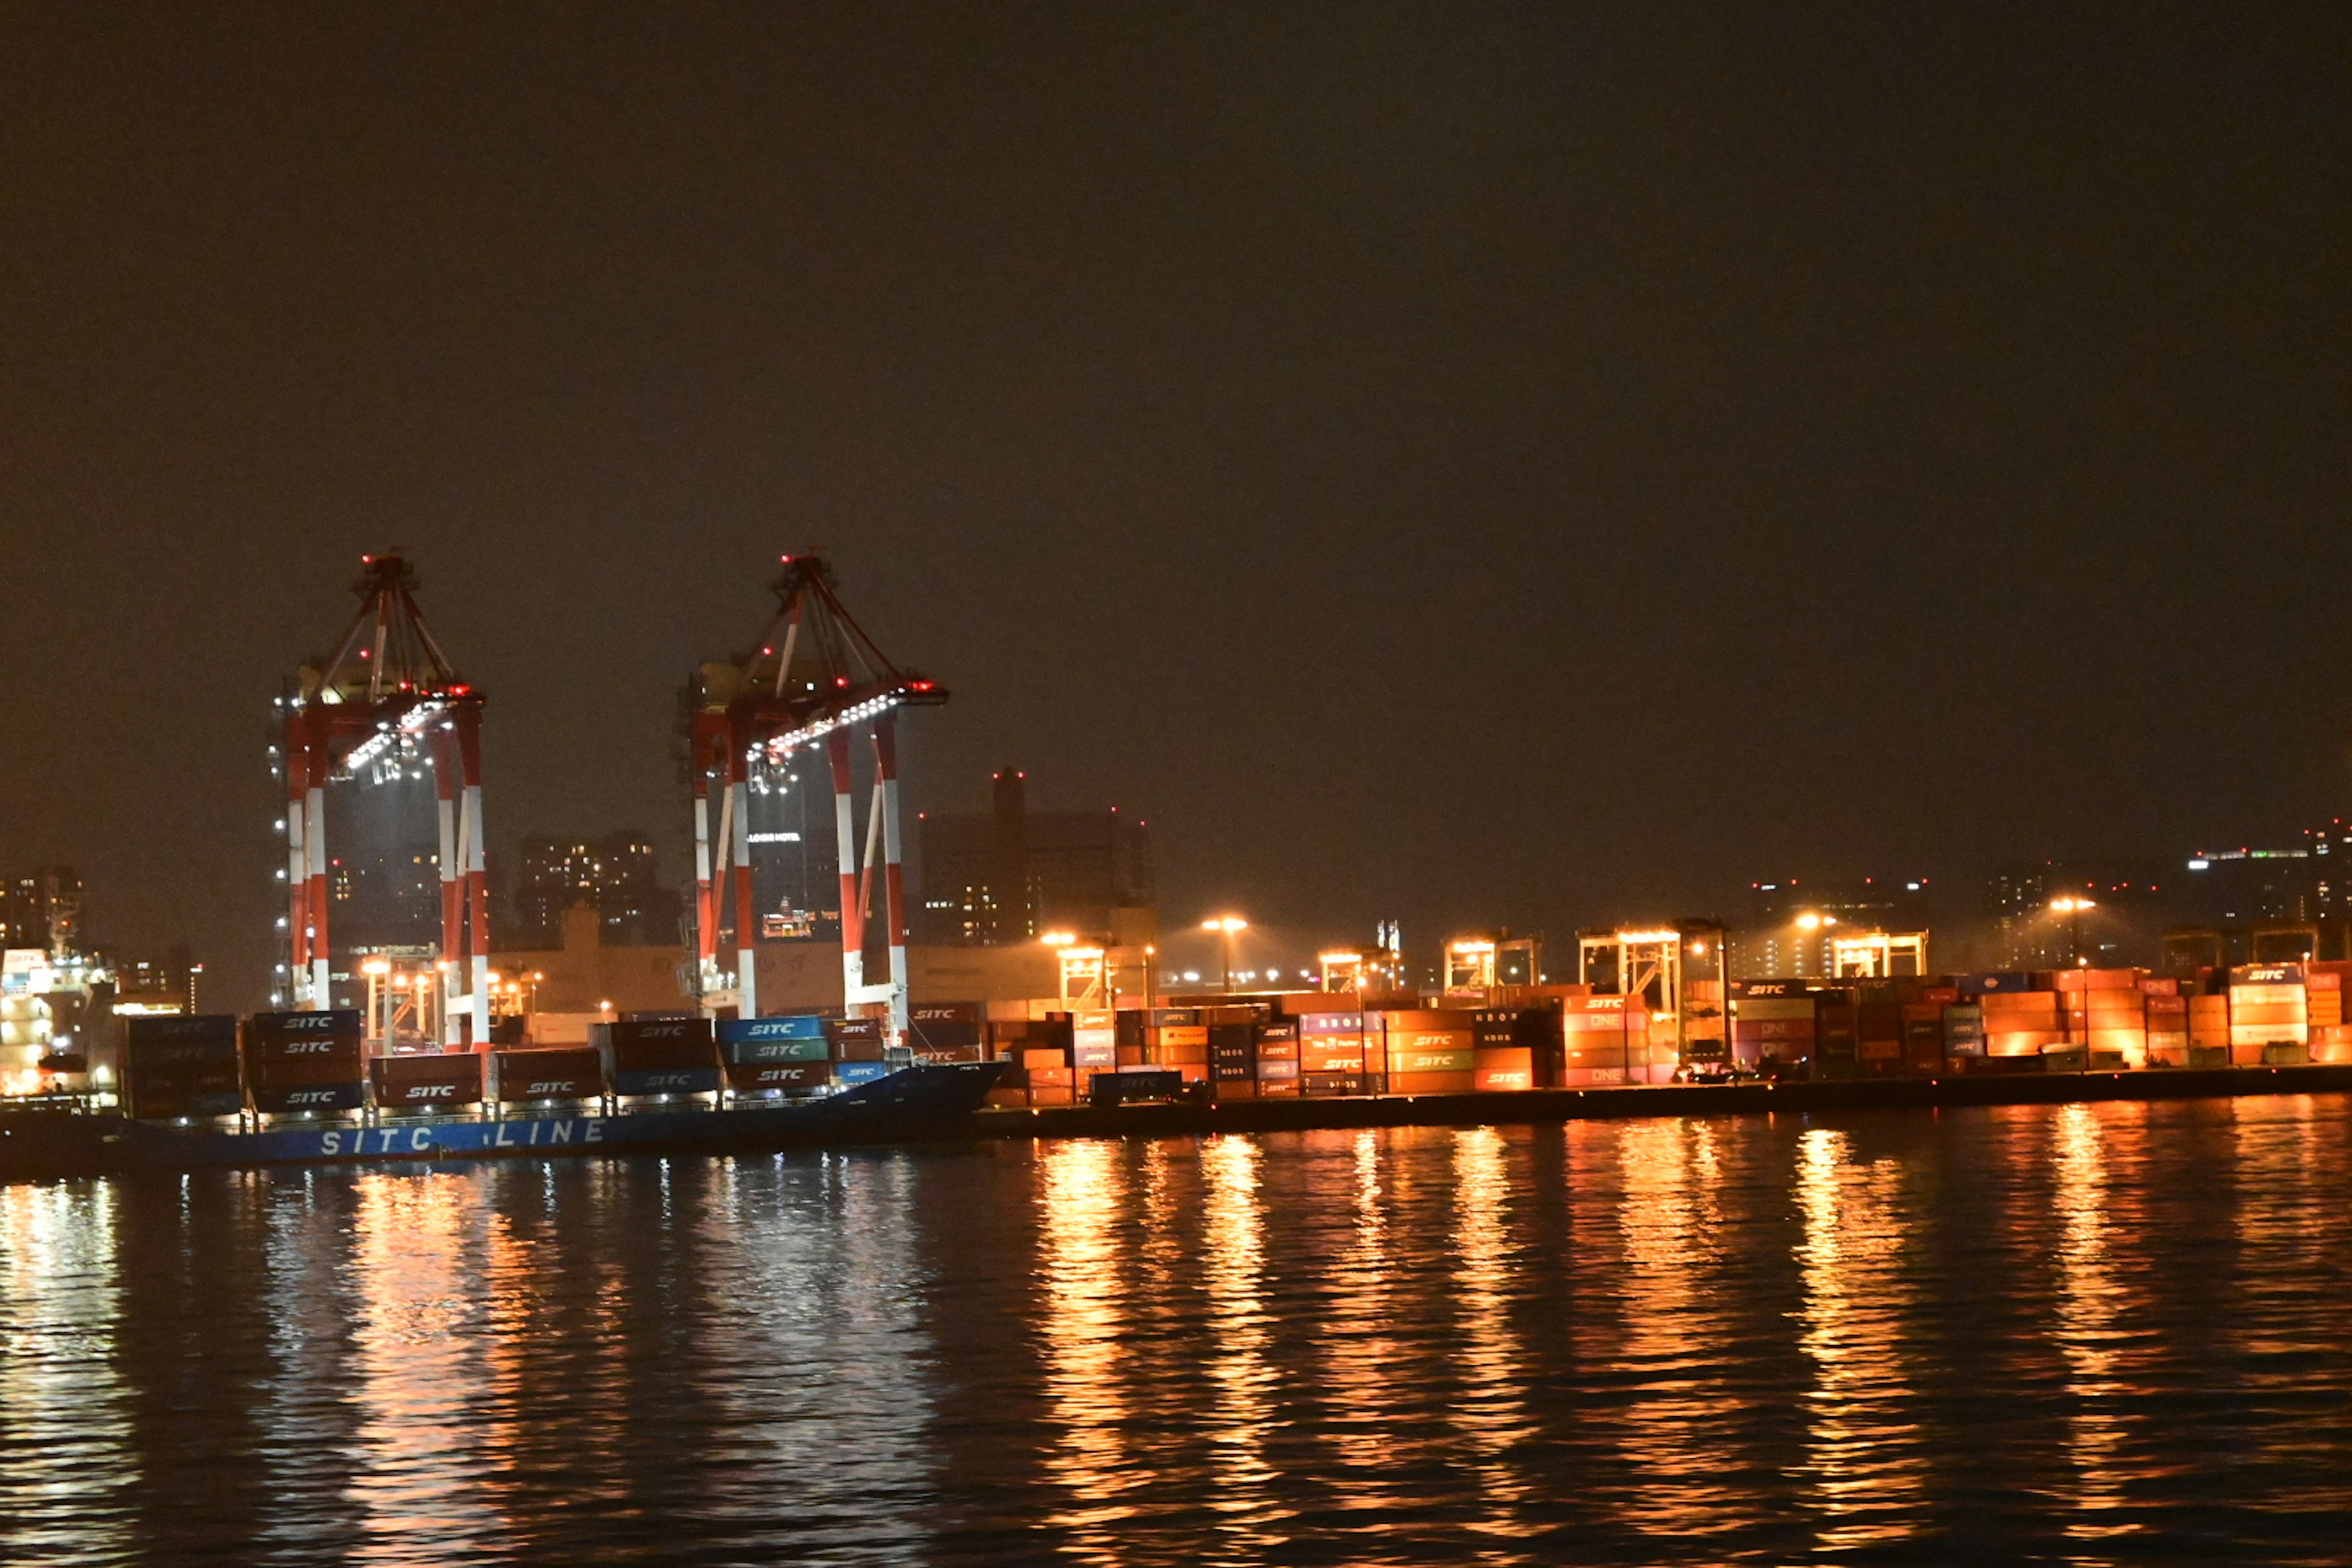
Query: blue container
x=798, y=1026
x=2006, y=982
x=860, y=1072
x=668, y=1080
x=311, y=1096
x=765, y=1053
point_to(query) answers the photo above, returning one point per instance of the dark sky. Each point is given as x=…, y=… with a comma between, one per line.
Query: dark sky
x=1474, y=463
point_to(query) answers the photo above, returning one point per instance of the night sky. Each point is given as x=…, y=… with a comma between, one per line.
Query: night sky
x=1478, y=464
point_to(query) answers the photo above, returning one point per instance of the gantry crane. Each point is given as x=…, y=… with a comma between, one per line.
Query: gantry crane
x=812, y=675
x=388, y=698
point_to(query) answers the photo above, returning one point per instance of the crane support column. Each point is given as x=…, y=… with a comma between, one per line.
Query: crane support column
x=747, y=968
x=894, y=882
x=314, y=861
x=477, y=875
x=845, y=838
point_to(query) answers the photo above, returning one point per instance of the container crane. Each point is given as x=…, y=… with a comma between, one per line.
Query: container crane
x=386, y=702
x=814, y=677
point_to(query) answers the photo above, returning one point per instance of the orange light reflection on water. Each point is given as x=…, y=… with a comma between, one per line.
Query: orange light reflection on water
x=416, y=1481
x=1862, y=1467
x=1241, y=1372
x=1359, y=1353
x=61, y=1410
x=1080, y=1202
x=1492, y=1412
x=1670, y=1337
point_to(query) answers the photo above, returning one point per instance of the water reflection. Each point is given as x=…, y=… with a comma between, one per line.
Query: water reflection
x=1241, y=1372
x=63, y=1426
x=2089, y=1331
x=1360, y=1352
x=1682, y=1414
x=416, y=1471
x=1862, y=1465
x=1491, y=1411
x=1079, y=1201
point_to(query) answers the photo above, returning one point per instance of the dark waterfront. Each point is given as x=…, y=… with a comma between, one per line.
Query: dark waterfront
x=2079, y=1334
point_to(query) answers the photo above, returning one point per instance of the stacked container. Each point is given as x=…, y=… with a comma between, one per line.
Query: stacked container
x=1597, y=1045
x=1276, y=1042
x=2021, y=1013
x=426, y=1083
x=775, y=1055
x=1232, y=1059
x=175, y=1067
x=1428, y=1051
x=1964, y=1033
x=659, y=1056
x=1177, y=1038
x=1514, y=1047
x=1331, y=1055
x=2269, y=1022
x=2331, y=1037
x=2168, y=1022
x=1878, y=1026
x=2208, y=1028
x=2106, y=1015
x=536, y=1077
x=946, y=1031
x=1771, y=1020
x=305, y=1063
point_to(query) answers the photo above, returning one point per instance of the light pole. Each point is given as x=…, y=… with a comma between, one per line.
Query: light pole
x=1226, y=925
x=2072, y=907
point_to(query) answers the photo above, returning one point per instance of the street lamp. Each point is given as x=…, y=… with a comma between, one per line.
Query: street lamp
x=1226, y=925
x=2072, y=906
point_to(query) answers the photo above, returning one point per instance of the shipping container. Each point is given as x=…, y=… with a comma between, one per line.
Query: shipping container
x=427, y=1082
x=570, y=1073
x=182, y=1066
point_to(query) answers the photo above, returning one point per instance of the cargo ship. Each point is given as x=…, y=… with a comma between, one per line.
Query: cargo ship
x=299, y=1088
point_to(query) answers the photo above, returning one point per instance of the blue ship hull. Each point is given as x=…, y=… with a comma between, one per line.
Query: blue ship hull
x=913, y=1104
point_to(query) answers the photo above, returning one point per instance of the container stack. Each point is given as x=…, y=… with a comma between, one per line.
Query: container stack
x=2020, y=1014
x=659, y=1056
x=1964, y=1033
x=1837, y=1035
x=1516, y=1048
x=1278, y=1057
x=563, y=1075
x=1596, y=1046
x=1878, y=1028
x=180, y=1067
x=941, y=1032
x=2167, y=1021
x=1771, y=1021
x=771, y=1056
x=2106, y=1016
x=858, y=1045
x=2269, y=1022
x=1331, y=1055
x=1232, y=1059
x=1177, y=1038
x=1923, y=1037
x=2323, y=982
x=306, y=1063
x=425, y=1083
x=1429, y=1051
x=2208, y=1028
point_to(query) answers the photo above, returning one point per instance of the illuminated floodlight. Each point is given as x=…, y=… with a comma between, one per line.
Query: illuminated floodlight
x=1647, y=936
x=377, y=966
x=1473, y=945
x=1225, y=923
x=1057, y=938
x=1340, y=957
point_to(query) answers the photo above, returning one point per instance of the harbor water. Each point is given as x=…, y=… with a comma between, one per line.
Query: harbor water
x=2086, y=1333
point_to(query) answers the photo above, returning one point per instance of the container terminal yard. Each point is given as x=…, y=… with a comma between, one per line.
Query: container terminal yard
x=412, y=1047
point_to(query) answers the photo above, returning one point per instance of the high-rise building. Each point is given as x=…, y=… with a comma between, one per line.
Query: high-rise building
x=1013, y=874
x=42, y=909
x=616, y=875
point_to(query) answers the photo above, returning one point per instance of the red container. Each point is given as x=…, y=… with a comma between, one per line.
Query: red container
x=569, y=1074
x=427, y=1082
